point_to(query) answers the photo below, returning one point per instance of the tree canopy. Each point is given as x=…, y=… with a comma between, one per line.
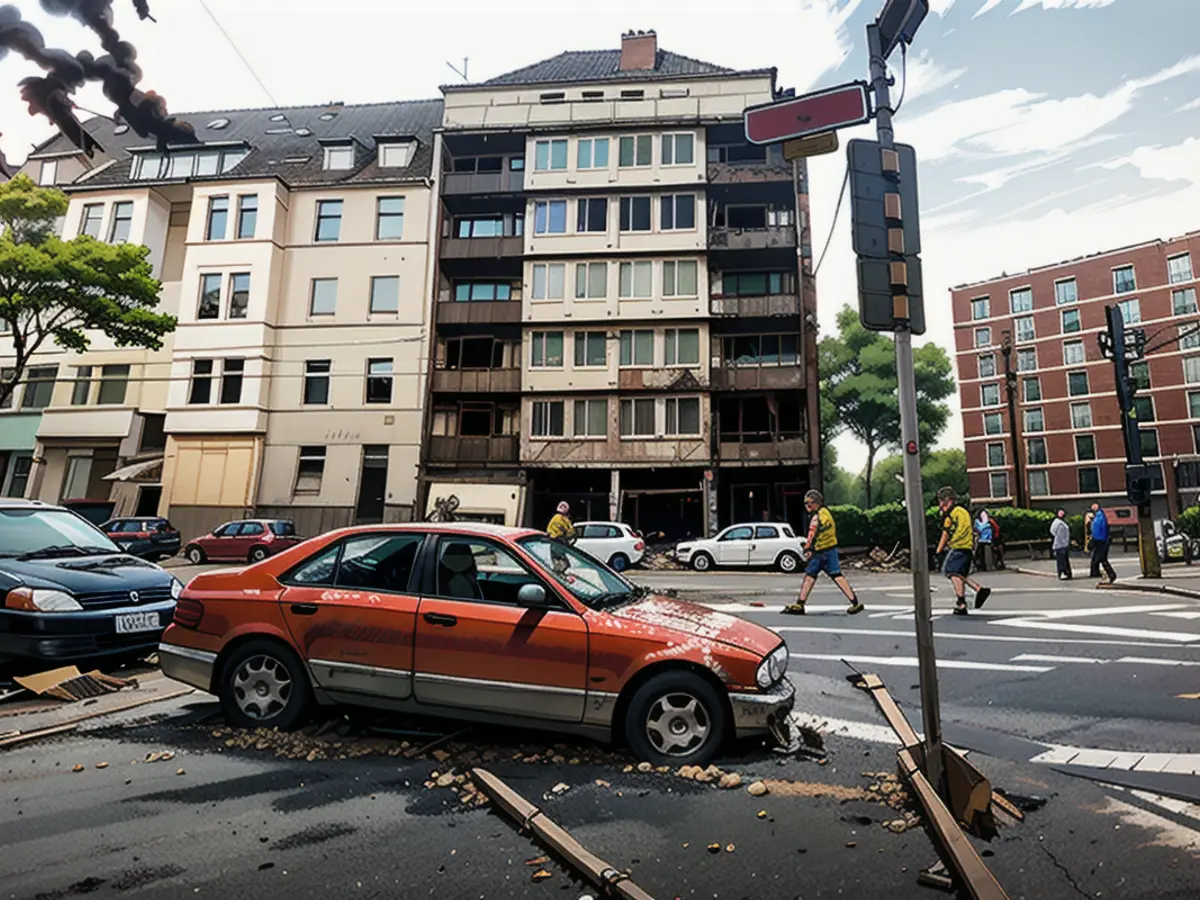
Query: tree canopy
x=60, y=291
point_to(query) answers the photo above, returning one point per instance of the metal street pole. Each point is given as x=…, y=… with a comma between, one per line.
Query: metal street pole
x=1010, y=388
x=914, y=498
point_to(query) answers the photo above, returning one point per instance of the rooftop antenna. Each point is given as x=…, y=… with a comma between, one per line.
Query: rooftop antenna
x=461, y=73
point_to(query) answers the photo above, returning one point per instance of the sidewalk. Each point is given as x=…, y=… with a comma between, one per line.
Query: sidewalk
x=1177, y=578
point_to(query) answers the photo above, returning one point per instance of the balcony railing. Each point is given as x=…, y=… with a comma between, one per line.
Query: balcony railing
x=755, y=378
x=482, y=247
x=764, y=305
x=720, y=238
x=481, y=450
x=659, y=379
x=784, y=450
x=748, y=172
x=482, y=182
x=465, y=381
x=452, y=312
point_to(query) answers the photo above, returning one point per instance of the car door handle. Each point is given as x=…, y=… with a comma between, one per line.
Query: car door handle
x=305, y=609
x=440, y=619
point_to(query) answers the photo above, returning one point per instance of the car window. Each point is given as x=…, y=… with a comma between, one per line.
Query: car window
x=584, y=531
x=110, y=527
x=251, y=528
x=283, y=529
x=226, y=530
x=474, y=569
x=736, y=534
x=765, y=532
x=316, y=571
x=378, y=562
x=28, y=530
x=610, y=531
x=787, y=532
x=589, y=580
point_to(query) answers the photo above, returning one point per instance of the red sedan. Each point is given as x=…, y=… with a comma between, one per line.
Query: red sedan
x=246, y=540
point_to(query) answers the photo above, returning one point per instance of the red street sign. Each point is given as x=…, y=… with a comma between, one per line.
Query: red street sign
x=814, y=113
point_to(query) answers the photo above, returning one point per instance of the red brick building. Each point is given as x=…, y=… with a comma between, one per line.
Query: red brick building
x=1063, y=445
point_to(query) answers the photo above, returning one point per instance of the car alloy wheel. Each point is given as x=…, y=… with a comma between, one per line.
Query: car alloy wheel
x=788, y=562
x=258, y=554
x=195, y=555
x=262, y=686
x=619, y=562
x=677, y=724
x=676, y=718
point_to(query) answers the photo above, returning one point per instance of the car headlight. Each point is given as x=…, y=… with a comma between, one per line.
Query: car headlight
x=176, y=588
x=41, y=600
x=773, y=668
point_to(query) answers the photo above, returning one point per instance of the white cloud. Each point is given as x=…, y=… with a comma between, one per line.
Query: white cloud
x=1180, y=162
x=989, y=5
x=941, y=7
x=924, y=76
x=826, y=40
x=1195, y=104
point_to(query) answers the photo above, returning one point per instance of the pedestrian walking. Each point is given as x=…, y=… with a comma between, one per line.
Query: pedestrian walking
x=1100, y=546
x=985, y=533
x=822, y=556
x=562, y=532
x=1060, y=544
x=958, y=539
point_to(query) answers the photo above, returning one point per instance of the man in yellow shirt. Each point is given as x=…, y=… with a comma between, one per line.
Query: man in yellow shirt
x=958, y=537
x=561, y=531
x=822, y=556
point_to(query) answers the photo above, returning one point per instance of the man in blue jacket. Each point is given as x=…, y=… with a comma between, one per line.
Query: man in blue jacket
x=1100, y=545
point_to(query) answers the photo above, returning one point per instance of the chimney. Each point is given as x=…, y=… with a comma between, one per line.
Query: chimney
x=639, y=50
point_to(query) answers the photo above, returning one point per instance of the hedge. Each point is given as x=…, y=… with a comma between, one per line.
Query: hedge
x=887, y=525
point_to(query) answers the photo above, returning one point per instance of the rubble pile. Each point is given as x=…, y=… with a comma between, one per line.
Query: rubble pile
x=661, y=559
x=879, y=560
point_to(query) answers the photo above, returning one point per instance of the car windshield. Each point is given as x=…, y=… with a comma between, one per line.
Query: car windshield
x=25, y=531
x=588, y=580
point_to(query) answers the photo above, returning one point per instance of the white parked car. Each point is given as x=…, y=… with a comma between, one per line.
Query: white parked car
x=613, y=543
x=751, y=544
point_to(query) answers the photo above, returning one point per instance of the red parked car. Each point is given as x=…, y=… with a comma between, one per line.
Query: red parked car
x=252, y=540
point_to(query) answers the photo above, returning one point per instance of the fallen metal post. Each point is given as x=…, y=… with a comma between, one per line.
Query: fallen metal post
x=596, y=870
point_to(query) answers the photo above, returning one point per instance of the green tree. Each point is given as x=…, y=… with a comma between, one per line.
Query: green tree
x=58, y=290
x=858, y=381
x=945, y=467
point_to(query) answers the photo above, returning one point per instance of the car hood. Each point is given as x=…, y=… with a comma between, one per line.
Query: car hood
x=694, y=620
x=83, y=574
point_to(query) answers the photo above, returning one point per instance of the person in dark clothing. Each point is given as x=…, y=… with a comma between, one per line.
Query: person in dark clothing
x=1100, y=545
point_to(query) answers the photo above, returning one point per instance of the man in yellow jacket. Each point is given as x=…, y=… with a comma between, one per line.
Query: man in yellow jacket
x=822, y=556
x=959, y=539
x=561, y=531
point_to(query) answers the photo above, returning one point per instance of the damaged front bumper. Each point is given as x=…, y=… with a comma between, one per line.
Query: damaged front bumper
x=765, y=712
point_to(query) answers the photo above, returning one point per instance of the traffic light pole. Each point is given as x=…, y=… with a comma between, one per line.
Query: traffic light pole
x=914, y=499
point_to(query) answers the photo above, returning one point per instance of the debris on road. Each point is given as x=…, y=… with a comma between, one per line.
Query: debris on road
x=757, y=789
x=70, y=685
x=879, y=560
x=22, y=737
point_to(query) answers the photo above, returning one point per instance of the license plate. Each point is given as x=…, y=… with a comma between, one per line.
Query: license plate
x=131, y=623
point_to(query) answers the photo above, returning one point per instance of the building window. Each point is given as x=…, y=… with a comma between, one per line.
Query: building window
x=993, y=423
x=1189, y=337
x=1089, y=480
x=679, y=278
x=379, y=380
x=1143, y=408
x=339, y=159
x=1066, y=291
x=1179, y=268
x=635, y=213
x=591, y=215
x=635, y=150
x=79, y=471
x=1124, y=280
x=682, y=347
x=983, y=337
x=591, y=349
x=637, y=348
x=48, y=172
x=1033, y=390
x=549, y=281
x=385, y=294
x=989, y=395
x=1085, y=447
x=82, y=389
x=323, y=299
x=1194, y=405
x=1027, y=359
x=1139, y=372
x=310, y=470
x=232, y=372
x=1020, y=300
x=981, y=308
x=546, y=350
x=550, y=217
x=755, y=350
x=547, y=418
x=1131, y=311
x=1036, y=449
x=636, y=279
x=93, y=215
x=1077, y=384
x=678, y=149
x=995, y=454
x=678, y=212
x=1073, y=353
x=998, y=484
x=758, y=284
x=592, y=153
x=122, y=223
x=1071, y=321
x=549, y=155
x=1024, y=328
x=683, y=416
x=18, y=480
x=482, y=291
x=394, y=154
x=1035, y=420
x=1183, y=302
x=247, y=220
x=591, y=281
x=987, y=366
x=591, y=418
x=316, y=382
x=218, y=218
x=210, y=297
x=1081, y=415
x=637, y=418
x=389, y=219
x=239, y=295
x=1191, y=370
x=113, y=382
x=329, y=220
x=200, y=391
x=1039, y=483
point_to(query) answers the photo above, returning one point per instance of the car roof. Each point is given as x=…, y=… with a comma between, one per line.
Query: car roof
x=22, y=503
x=602, y=522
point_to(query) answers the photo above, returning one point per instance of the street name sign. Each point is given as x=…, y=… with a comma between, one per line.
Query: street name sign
x=815, y=113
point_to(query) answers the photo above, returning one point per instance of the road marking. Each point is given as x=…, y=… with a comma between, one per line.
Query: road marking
x=987, y=638
x=1113, y=631
x=1179, y=615
x=1038, y=657
x=1109, y=610
x=1155, y=661
x=810, y=607
x=910, y=662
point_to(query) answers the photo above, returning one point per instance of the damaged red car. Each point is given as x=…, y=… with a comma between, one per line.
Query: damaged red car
x=481, y=623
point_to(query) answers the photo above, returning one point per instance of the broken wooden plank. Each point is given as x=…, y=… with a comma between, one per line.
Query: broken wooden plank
x=73, y=722
x=1003, y=803
x=596, y=870
x=873, y=684
x=26, y=736
x=414, y=752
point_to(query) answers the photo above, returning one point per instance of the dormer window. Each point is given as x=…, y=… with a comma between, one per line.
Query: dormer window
x=339, y=158
x=395, y=154
x=208, y=162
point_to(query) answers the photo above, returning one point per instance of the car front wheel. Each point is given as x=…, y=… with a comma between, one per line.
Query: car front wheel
x=195, y=555
x=264, y=684
x=619, y=562
x=676, y=718
x=702, y=562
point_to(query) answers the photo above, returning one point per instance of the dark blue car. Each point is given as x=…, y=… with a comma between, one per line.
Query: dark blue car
x=67, y=592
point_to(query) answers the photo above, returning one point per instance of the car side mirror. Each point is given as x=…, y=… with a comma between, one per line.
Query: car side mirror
x=532, y=595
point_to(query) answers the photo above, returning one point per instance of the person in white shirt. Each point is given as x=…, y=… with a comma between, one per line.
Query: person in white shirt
x=1060, y=544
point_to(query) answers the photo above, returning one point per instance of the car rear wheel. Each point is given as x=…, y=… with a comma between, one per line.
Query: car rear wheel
x=787, y=561
x=702, y=562
x=619, y=562
x=676, y=718
x=264, y=684
x=195, y=555
x=258, y=554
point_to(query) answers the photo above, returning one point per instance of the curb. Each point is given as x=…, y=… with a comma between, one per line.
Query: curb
x=1168, y=589
x=1035, y=572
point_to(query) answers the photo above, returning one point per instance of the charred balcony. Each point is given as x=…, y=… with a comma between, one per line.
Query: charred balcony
x=477, y=364
x=733, y=161
x=755, y=293
x=758, y=362
x=478, y=301
x=474, y=432
x=762, y=429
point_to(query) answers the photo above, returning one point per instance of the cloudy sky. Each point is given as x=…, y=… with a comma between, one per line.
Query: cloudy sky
x=1045, y=128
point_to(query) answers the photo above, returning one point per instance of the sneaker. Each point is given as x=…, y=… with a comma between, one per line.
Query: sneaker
x=794, y=609
x=981, y=596
x=960, y=609
x=855, y=608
